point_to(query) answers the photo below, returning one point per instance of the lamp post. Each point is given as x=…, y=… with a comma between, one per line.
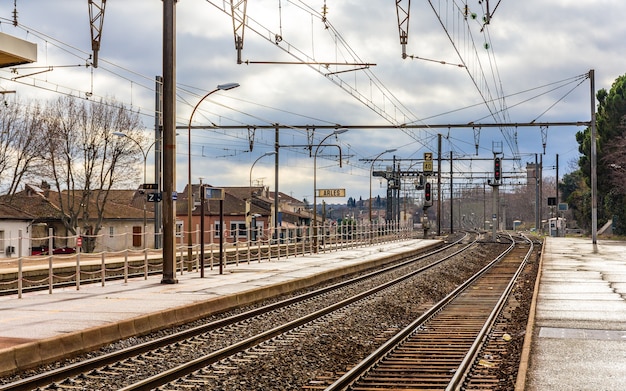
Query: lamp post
x=144, y=153
x=220, y=87
x=336, y=132
x=257, y=159
x=371, y=173
x=249, y=202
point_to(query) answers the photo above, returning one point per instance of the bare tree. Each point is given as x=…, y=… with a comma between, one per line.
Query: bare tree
x=85, y=159
x=8, y=120
x=21, y=143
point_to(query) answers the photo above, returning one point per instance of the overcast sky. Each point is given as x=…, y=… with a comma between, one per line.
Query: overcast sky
x=534, y=53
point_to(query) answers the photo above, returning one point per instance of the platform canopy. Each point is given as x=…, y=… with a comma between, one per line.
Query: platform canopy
x=15, y=51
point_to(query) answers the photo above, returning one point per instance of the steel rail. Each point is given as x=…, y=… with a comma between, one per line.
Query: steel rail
x=356, y=372
x=201, y=362
x=74, y=369
x=461, y=374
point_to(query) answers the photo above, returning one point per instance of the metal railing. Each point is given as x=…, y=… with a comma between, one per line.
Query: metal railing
x=51, y=269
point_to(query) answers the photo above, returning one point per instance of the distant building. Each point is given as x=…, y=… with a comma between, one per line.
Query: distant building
x=121, y=225
x=237, y=218
x=14, y=223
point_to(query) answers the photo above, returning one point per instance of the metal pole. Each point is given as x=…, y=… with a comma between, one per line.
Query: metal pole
x=249, y=202
x=494, y=210
x=484, y=206
x=371, y=174
x=202, y=200
x=557, y=196
x=439, y=184
x=370, y=198
x=169, y=141
x=594, y=178
x=537, y=214
x=221, y=236
x=220, y=87
x=189, y=182
x=275, y=216
x=158, y=151
x=540, y=168
x=145, y=195
x=451, y=198
x=399, y=182
x=336, y=132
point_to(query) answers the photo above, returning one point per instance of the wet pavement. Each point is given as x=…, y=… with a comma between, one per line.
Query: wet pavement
x=579, y=336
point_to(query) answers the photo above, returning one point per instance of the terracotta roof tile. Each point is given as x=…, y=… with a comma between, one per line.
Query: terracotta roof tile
x=9, y=212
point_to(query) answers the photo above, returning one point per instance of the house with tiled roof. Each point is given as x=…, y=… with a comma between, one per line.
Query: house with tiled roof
x=122, y=223
x=15, y=229
x=242, y=207
x=293, y=212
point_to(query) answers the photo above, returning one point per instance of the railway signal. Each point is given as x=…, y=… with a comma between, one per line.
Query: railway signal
x=497, y=168
x=427, y=194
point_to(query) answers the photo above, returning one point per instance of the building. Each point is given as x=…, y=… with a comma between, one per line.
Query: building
x=241, y=208
x=15, y=229
x=121, y=224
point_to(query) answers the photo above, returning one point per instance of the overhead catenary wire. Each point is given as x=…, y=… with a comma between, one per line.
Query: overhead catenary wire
x=133, y=83
x=458, y=16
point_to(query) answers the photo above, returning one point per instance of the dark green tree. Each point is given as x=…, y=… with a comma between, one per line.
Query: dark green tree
x=576, y=193
x=610, y=126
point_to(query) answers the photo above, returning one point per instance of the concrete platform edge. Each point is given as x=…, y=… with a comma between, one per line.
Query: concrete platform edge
x=522, y=373
x=41, y=352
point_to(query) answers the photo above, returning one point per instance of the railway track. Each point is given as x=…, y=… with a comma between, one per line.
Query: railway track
x=446, y=347
x=212, y=342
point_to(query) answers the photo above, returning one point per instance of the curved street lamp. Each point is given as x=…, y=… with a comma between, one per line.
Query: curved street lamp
x=249, y=202
x=371, y=173
x=257, y=159
x=220, y=87
x=144, y=153
x=336, y=132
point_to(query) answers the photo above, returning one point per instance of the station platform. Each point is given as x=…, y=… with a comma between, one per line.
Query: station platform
x=576, y=338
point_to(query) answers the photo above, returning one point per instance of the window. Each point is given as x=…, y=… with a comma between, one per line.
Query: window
x=217, y=230
x=238, y=229
x=111, y=232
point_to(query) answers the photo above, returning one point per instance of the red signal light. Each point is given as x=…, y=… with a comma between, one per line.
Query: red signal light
x=497, y=168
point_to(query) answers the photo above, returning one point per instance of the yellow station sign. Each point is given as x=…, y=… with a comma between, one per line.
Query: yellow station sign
x=331, y=192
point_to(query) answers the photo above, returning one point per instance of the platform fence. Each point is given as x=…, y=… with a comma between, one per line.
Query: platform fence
x=68, y=265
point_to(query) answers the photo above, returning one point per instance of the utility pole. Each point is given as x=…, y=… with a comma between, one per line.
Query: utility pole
x=398, y=187
x=169, y=142
x=557, y=196
x=276, y=205
x=495, y=185
x=439, y=184
x=158, y=153
x=537, y=214
x=594, y=178
x=540, y=168
x=451, y=196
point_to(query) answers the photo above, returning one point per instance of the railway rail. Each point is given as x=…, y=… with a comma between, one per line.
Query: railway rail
x=445, y=348
x=232, y=334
